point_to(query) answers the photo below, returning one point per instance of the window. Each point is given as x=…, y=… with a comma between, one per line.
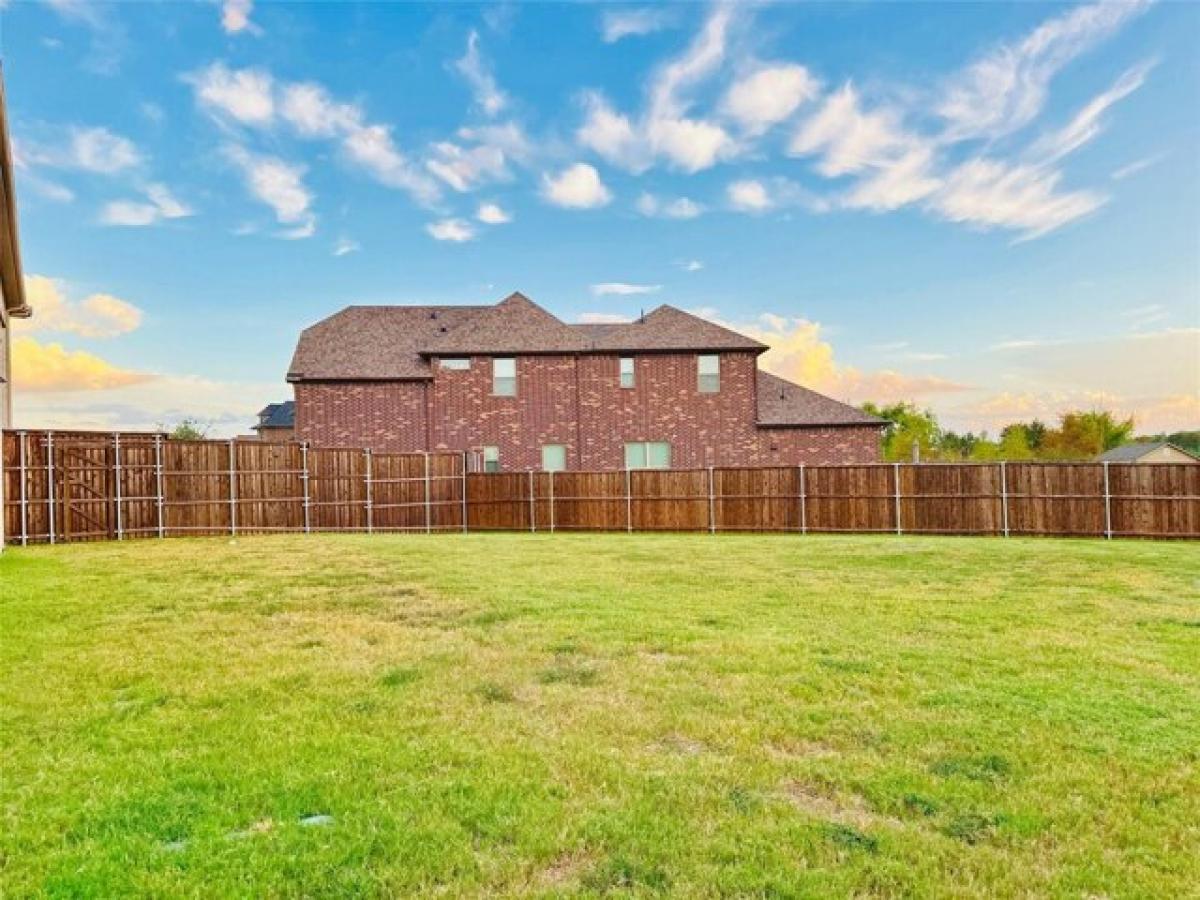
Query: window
x=504, y=377
x=458, y=364
x=491, y=459
x=708, y=373
x=648, y=455
x=554, y=457
x=627, y=376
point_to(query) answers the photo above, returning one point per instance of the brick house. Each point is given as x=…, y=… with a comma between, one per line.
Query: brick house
x=530, y=391
x=277, y=422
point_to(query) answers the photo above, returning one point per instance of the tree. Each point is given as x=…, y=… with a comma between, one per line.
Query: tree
x=187, y=430
x=909, y=427
x=1083, y=435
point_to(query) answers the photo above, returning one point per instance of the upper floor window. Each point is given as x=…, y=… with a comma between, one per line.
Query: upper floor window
x=627, y=376
x=708, y=373
x=504, y=377
x=491, y=459
x=458, y=363
x=554, y=457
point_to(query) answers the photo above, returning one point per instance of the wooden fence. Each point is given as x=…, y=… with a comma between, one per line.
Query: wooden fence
x=72, y=486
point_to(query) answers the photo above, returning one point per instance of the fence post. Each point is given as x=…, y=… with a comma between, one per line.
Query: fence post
x=24, y=491
x=803, y=503
x=158, y=483
x=117, y=482
x=369, y=498
x=464, y=492
x=427, y=508
x=532, y=505
x=1004, y=498
x=712, y=519
x=1107, y=506
x=896, y=484
x=552, y=501
x=304, y=482
x=628, y=502
x=50, y=481
x=232, y=488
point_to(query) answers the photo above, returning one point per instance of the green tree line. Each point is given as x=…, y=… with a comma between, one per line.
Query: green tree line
x=1077, y=435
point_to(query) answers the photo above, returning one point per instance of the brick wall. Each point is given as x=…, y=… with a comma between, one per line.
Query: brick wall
x=576, y=401
x=382, y=415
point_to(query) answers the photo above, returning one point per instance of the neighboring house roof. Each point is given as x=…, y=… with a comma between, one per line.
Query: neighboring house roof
x=1135, y=451
x=277, y=415
x=12, y=287
x=386, y=343
x=781, y=403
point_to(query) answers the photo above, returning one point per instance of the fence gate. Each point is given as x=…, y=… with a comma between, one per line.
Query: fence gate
x=85, y=483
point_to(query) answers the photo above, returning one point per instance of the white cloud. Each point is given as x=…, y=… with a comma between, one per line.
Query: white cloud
x=901, y=181
x=691, y=265
x=95, y=316
x=1138, y=165
x=616, y=24
x=768, y=96
x=748, y=195
x=344, y=246
x=465, y=168
x=235, y=16
x=576, y=187
x=599, y=318
x=243, y=95
x=988, y=193
x=472, y=67
x=280, y=185
x=665, y=130
x=159, y=204
x=492, y=214
x=309, y=109
x=252, y=97
x=1087, y=123
x=623, y=289
x=371, y=146
x=454, y=230
x=848, y=139
x=99, y=150
x=1004, y=90
x=668, y=208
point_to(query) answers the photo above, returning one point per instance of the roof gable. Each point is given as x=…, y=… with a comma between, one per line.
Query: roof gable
x=1138, y=449
x=514, y=325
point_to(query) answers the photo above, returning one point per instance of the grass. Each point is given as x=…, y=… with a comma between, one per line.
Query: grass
x=559, y=715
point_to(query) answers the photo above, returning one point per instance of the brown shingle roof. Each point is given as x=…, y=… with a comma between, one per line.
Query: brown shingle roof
x=370, y=343
x=514, y=325
x=667, y=328
x=781, y=403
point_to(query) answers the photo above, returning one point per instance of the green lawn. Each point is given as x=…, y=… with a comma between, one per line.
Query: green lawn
x=548, y=715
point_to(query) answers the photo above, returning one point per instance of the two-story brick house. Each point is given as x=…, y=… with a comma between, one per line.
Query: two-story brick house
x=530, y=391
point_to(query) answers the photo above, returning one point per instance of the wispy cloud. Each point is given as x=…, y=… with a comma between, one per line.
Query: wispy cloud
x=492, y=214
x=668, y=207
x=1088, y=122
x=1006, y=89
x=456, y=231
x=488, y=96
x=159, y=205
x=344, y=246
x=623, y=289
x=617, y=24
x=235, y=17
x=280, y=185
x=1138, y=165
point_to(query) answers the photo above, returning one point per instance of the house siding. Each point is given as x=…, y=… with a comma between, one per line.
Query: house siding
x=575, y=401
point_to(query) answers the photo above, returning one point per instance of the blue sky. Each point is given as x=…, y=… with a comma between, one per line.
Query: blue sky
x=991, y=209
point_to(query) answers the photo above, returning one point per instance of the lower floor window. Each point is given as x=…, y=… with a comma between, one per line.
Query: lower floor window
x=491, y=459
x=554, y=457
x=648, y=455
